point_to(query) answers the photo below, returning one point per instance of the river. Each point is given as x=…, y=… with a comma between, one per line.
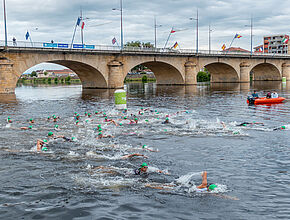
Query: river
x=89, y=179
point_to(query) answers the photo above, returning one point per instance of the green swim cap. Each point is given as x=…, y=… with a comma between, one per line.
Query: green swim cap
x=56, y=126
x=96, y=112
x=75, y=113
x=212, y=187
x=166, y=119
x=136, y=119
x=31, y=119
x=54, y=117
x=104, y=114
x=73, y=138
x=125, y=117
x=78, y=114
x=147, y=120
x=50, y=133
x=100, y=133
x=86, y=113
x=44, y=140
x=99, y=126
x=89, y=114
x=8, y=117
x=144, y=165
x=106, y=117
x=155, y=110
x=100, y=129
x=30, y=127
x=120, y=124
x=87, y=120
x=283, y=127
x=77, y=121
x=144, y=146
x=125, y=109
x=48, y=117
x=44, y=149
x=141, y=108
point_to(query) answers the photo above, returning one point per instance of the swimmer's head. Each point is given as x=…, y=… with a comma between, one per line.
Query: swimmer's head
x=212, y=187
x=125, y=117
x=96, y=112
x=141, y=108
x=100, y=129
x=75, y=113
x=54, y=117
x=120, y=124
x=56, y=126
x=30, y=127
x=44, y=140
x=283, y=127
x=144, y=165
x=44, y=149
x=77, y=121
x=89, y=114
x=31, y=119
x=73, y=138
x=86, y=113
x=50, y=134
x=166, y=119
x=146, y=120
x=8, y=117
x=135, y=119
x=144, y=146
x=100, y=133
x=48, y=117
x=99, y=126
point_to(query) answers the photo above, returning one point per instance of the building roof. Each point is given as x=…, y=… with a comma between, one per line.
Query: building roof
x=64, y=71
x=237, y=49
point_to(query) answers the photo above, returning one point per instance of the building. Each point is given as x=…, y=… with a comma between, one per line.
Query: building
x=259, y=49
x=236, y=49
x=276, y=44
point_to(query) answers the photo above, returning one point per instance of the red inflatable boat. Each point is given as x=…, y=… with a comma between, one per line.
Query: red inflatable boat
x=265, y=100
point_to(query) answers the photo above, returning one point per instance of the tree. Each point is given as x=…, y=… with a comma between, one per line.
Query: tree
x=139, y=44
x=33, y=74
x=45, y=73
x=56, y=80
x=67, y=79
x=203, y=76
x=49, y=80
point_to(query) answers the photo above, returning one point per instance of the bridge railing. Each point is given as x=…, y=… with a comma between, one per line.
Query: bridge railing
x=89, y=47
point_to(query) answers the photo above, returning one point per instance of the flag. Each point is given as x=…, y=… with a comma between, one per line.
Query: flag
x=83, y=25
x=175, y=45
x=114, y=40
x=27, y=35
x=261, y=49
x=285, y=40
x=172, y=31
x=224, y=47
x=78, y=21
x=238, y=36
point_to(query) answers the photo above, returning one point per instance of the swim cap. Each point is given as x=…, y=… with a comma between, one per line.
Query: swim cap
x=135, y=119
x=30, y=127
x=144, y=165
x=56, y=126
x=96, y=112
x=44, y=149
x=89, y=114
x=125, y=109
x=100, y=129
x=120, y=124
x=78, y=114
x=77, y=121
x=8, y=117
x=99, y=126
x=106, y=117
x=125, y=117
x=283, y=127
x=75, y=113
x=73, y=138
x=212, y=187
x=141, y=108
x=86, y=113
x=147, y=120
x=44, y=140
x=31, y=119
x=87, y=120
x=186, y=111
x=166, y=119
x=48, y=117
x=104, y=114
x=54, y=117
x=155, y=110
x=100, y=133
x=144, y=146
x=50, y=133
x=142, y=113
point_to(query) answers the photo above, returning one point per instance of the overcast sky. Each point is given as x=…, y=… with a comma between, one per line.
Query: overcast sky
x=49, y=20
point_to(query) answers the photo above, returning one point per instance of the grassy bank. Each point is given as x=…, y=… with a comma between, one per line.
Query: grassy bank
x=139, y=78
x=49, y=81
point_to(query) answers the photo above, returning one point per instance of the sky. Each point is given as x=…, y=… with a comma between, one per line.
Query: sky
x=55, y=20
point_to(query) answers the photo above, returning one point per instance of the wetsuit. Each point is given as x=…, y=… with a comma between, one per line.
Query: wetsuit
x=138, y=171
x=244, y=124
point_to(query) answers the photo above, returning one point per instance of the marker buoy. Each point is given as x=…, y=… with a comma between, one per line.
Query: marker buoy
x=120, y=99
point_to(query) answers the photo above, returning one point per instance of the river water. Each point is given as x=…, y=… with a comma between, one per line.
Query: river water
x=89, y=178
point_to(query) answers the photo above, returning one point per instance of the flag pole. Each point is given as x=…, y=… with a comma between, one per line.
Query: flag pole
x=168, y=39
x=82, y=32
x=231, y=43
x=30, y=39
x=72, y=41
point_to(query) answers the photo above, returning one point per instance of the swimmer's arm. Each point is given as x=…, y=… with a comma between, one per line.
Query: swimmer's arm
x=133, y=155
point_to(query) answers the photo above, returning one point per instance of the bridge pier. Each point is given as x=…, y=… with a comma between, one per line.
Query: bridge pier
x=245, y=72
x=116, y=76
x=8, y=79
x=286, y=71
x=190, y=73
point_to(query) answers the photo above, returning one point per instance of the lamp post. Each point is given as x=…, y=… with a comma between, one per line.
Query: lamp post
x=5, y=26
x=121, y=10
x=155, y=30
x=196, y=19
x=251, y=26
x=209, y=38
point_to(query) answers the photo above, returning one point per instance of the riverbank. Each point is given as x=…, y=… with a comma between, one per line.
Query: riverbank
x=140, y=78
x=49, y=81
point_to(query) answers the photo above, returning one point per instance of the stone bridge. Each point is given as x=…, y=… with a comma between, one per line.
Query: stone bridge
x=108, y=68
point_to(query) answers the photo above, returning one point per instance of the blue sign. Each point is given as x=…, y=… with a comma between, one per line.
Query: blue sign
x=62, y=45
x=49, y=45
x=90, y=47
x=78, y=46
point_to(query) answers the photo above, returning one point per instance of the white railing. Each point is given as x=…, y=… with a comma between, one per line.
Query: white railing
x=89, y=47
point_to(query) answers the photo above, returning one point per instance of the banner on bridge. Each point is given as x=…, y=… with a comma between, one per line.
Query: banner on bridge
x=49, y=45
x=62, y=45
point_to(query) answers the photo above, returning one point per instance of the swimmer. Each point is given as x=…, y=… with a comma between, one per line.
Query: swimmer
x=204, y=186
x=113, y=122
x=31, y=121
x=51, y=135
x=97, y=113
x=26, y=128
x=145, y=147
x=100, y=136
x=77, y=117
x=135, y=121
x=249, y=123
x=56, y=128
x=166, y=121
x=48, y=118
x=89, y=115
x=224, y=125
x=143, y=170
x=280, y=128
x=133, y=155
x=41, y=144
x=9, y=120
x=77, y=122
x=55, y=119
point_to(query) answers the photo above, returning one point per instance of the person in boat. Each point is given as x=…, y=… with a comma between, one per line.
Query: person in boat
x=255, y=95
x=274, y=95
x=204, y=186
x=268, y=95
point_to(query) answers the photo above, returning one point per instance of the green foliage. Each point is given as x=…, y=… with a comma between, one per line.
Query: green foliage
x=56, y=80
x=139, y=44
x=144, y=79
x=33, y=74
x=67, y=79
x=49, y=80
x=45, y=73
x=203, y=76
x=62, y=80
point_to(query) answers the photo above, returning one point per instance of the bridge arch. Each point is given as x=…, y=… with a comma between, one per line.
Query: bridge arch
x=165, y=73
x=265, y=72
x=222, y=72
x=90, y=77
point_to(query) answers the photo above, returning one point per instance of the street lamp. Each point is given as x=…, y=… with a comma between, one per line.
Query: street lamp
x=209, y=38
x=251, y=26
x=121, y=10
x=155, y=30
x=4, y=8
x=196, y=19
